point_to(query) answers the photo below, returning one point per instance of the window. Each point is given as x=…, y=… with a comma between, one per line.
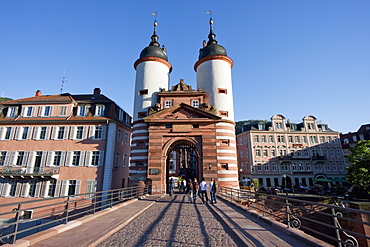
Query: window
x=25, y=133
x=313, y=139
x=301, y=168
x=246, y=153
x=297, y=139
x=8, y=133
x=274, y=167
x=273, y=154
x=76, y=158
x=305, y=153
x=331, y=153
x=290, y=139
x=119, y=135
x=222, y=90
x=259, y=167
x=32, y=188
x=20, y=158
x=362, y=137
x=263, y=139
x=261, y=126
x=167, y=103
x=98, y=132
x=338, y=153
x=61, y=131
x=124, y=160
x=126, y=138
x=265, y=153
x=99, y=110
x=280, y=138
x=63, y=110
x=81, y=111
x=42, y=133
x=267, y=167
x=258, y=153
x=284, y=167
x=271, y=139
x=322, y=139
x=168, y=126
x=310, y=126
x=143, y=91
x=116, y=163
x=224, y=113
x=315, y=152
x=47, y=111
x=341, y=167
x=294, y=167
x=308, y=167
x=299, y=153
x=73, y=187
x=282, y=152
x=95, y=158
x=2, y=157
x=335, y=168
x=256, y=138
x=90, y=188
x=328, y=167
x=278, y=125
x=245, y=140
x=195, y=103
x=79, y=132
x=12, y=111
x=241, y=154
x=57, y=158
x=325, y=152
x=328, y=139
x=318, y=167
x=304, y=139
x=52, y=188
x=29, y=111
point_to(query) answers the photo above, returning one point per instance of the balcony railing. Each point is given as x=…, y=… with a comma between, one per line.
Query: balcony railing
x=29, y=171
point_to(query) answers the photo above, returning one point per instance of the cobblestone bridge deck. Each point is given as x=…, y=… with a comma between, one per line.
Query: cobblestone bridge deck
x=159, y=220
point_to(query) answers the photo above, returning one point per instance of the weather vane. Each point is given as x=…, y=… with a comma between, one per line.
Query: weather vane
x=210, y=14
x=155, y=18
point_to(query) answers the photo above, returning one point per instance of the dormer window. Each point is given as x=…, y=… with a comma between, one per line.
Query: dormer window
x=28, y=111
x=81, y=111
x=99, y=110
x=279, y=125
x=63, y=110
x=195, y=103
x=12, y=112
x=45, y=111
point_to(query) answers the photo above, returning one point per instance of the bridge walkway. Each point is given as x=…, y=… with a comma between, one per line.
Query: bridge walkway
x=159, y=220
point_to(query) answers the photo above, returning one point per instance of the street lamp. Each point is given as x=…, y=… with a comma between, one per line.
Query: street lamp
x=285, y=185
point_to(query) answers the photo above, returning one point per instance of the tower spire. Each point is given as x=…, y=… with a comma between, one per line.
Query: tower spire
x=154, y=37
x=211, y=35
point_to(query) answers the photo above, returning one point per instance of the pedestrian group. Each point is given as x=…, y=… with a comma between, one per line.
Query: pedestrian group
x=195, y=189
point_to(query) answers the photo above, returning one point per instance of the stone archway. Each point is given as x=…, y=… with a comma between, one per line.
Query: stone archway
x=183, y=160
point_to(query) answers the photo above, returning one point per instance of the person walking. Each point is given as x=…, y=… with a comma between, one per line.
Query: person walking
x=189, y=188
x=203, y=191
x=195, y=190
x=171, y=187
x=213, y=190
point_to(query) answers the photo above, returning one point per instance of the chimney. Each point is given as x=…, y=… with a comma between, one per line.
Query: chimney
x=38, y=93
x=97, y=91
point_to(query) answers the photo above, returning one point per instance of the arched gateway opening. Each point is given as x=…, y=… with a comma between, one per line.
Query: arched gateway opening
x=183, y=160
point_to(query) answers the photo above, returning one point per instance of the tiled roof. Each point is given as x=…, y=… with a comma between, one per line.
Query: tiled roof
x=41, y=99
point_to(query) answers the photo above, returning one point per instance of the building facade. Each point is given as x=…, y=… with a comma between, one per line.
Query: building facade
x=180, y=131
x=59, y=145
x=280, y=153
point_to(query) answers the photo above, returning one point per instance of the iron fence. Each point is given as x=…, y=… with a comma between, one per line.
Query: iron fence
x=333, y=221
x=28, y=217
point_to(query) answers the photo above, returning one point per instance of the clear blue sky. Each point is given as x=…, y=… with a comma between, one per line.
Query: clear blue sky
x=295, y=58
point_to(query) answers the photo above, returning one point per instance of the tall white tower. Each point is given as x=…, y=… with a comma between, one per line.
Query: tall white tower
x=214, y=76
x=152, y=75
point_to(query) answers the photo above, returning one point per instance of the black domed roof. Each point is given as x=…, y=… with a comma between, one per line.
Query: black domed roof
x=154, y=49
x=212, y=48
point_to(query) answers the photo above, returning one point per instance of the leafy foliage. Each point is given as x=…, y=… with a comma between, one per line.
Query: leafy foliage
x=4, y=99
x=359, y=171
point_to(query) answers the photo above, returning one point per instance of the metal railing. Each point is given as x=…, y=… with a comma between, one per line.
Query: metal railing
x=28, y=217
x=29, y=171
x=331, y=221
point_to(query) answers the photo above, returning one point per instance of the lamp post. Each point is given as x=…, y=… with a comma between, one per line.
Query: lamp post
x=285, y=185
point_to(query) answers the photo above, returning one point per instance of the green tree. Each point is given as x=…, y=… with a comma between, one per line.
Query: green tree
x=359, y=171
x=4, y=99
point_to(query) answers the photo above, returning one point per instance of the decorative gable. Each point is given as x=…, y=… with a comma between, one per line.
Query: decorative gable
x=181, y=112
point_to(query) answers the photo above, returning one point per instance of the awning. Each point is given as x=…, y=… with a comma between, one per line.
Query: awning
x=340, y=180
x=322, y=180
